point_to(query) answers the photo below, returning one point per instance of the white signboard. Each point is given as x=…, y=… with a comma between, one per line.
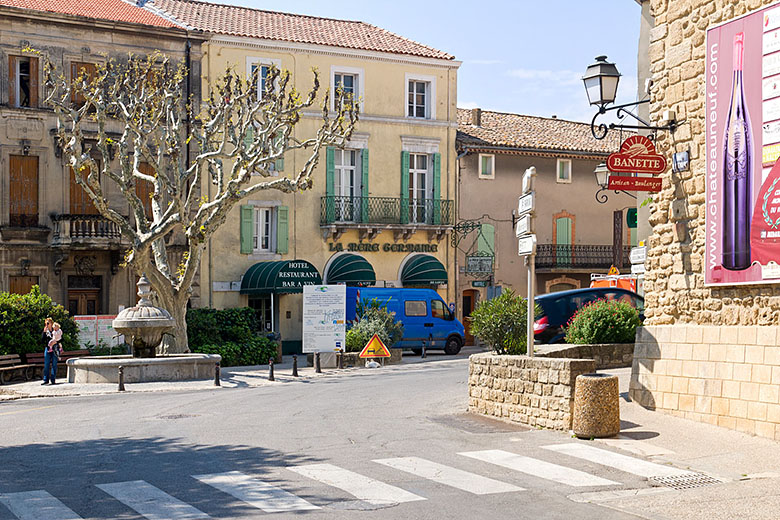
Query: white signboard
x=526, y=245
x=525, y=225
x=324, y=318
x=526, y=204
x=479, y=264
x=638, y=255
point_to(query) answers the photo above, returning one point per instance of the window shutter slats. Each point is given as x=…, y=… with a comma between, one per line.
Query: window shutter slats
x=404, y=187
x=282, y=229
x=247, y=228
x=12, y=80
x=364, y=185
x=33, y=82
x=437, y=188
x=330, y=174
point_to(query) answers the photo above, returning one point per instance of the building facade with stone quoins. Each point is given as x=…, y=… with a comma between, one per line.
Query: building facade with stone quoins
x=50, y=233
x=708, y=351
x=575, y=234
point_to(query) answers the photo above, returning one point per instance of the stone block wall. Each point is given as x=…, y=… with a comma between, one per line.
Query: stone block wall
x=606, y=355
x=536, y=391
x=726, y=376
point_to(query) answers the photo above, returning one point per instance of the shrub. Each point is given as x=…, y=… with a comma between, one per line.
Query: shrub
x=373, y=318
x=231, y=333
x=603, y=321
x=230, y=352
x=501, y=323
x=258, y=351
x=21, y=322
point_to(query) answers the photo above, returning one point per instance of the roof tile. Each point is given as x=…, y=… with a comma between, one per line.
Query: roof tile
x=114, y=10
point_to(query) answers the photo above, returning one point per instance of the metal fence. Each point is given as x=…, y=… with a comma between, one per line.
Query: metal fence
x=579, y=256
x=385, y=210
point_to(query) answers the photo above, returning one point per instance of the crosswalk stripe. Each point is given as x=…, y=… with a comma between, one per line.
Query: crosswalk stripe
x=611, y=459
x=151, y=502
x=539, y=468
x=448, y=476
x=34, y=505
x=357, y=485
x=255, y=492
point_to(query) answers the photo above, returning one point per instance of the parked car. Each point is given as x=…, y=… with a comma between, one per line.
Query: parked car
x=558, y=308
x=423, y=313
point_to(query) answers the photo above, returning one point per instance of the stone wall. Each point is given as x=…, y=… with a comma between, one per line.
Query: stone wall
x=727, y=376
x=532, y=391
x=674, y=282
x=606, y=355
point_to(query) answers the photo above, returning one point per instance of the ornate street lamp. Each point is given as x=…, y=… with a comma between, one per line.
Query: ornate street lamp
x=601, y=82
x=602, y=179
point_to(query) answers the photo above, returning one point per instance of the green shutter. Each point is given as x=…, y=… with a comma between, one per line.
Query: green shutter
x=437, y=188
x=404, y=187
x=282, y=229
x=279, y=164
x=563, y=247
x=247, y=228
x=330, y=172
x=364, y=185
x=486, y=242
x=249, y=137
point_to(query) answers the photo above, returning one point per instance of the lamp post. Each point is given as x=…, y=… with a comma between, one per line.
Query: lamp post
x=601, y=82
x=602, y=179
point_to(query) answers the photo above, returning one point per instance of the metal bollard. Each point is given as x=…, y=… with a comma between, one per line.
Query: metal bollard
x=295, y=365
x=317, y=366
x=423, y=355
x=121, y=378
x=216, y=375
x=339, y=360
x=271, y=370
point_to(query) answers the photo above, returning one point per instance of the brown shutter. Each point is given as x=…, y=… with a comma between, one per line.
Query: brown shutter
x=80, y=202
x=23, y=191
x=74, y=73
x=33, y=82
x=12, y=79
x=144, y=189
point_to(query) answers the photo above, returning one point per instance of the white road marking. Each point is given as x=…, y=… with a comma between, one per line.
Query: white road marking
x=255, y=492
x=359, y=486
x=539, y=468
x=448, y=476
x=616, y=460
x=643, y=449
x=34, y=505
x=151, y=502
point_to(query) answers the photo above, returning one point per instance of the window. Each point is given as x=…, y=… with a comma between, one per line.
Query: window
x=23, y=81
x=487, y=166
x=346, y=82
x=21, y=284
x=263, y=310
x=77, y=69
x=346, y=187
x=23, y=211
x=262, y=237
x=264, y=65
x=564, y=171
x=415, y=308
x=419, y=187
x=418, y=99
x=80, y=201
x=438, y=310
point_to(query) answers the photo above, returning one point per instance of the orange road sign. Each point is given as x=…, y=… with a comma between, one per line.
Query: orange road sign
x=375, y=348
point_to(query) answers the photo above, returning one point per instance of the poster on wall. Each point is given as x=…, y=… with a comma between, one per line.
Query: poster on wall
x=742, y=131
x=324, y=318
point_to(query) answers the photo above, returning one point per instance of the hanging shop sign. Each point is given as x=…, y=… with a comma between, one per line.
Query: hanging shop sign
x=637, y=155
x=742, y=241
x=370, y=247
x=618, y=182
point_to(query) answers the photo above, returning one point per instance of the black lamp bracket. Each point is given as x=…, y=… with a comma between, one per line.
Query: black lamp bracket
x=601, y=195
x=599, y=130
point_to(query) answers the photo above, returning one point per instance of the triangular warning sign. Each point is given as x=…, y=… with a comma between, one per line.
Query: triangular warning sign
x=613, y=271
x=375, y=348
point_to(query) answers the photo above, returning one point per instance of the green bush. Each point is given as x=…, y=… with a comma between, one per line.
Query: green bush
x=21, y=322
x=603, y=321
x=230, y=352
x=501, y=323
x=231, y=333
x=372, y=317
x=258, y=351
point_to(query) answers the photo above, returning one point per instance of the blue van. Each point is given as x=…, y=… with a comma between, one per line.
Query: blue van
x=423, y=313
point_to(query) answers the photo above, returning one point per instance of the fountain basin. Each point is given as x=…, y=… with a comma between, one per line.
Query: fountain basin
x=175, y=367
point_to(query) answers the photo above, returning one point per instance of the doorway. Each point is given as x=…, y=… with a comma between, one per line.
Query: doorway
x=469, y=303
x=83, y=302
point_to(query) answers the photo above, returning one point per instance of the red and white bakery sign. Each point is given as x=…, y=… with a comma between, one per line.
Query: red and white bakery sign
x=637, y=155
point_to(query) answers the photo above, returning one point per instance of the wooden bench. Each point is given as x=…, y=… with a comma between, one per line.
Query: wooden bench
x=36, y=360
x=11, y=365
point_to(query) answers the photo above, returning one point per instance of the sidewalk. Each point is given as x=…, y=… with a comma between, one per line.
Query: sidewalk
x=749, y=467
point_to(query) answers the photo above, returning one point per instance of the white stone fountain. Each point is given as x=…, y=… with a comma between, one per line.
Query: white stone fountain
x=144, y=326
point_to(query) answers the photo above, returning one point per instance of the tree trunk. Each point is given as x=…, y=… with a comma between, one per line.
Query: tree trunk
x=175, y=341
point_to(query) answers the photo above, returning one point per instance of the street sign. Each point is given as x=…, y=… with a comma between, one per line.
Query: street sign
x=638, y=269
x=528, y=180
x=479, y=264
x=526, y=245
x=525, y=225
x=617, y=182
x=375, y=348
x=613, y=271
x=637, y=155
x=638, y=255
x=526, y=204
x=480, y=283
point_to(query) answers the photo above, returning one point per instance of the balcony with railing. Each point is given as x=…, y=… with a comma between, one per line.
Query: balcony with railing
x=577, y=256
x=93, y=231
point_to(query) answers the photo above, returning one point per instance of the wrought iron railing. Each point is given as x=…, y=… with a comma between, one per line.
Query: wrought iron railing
x=579, y=256
x=385, y=210
x=83, y=228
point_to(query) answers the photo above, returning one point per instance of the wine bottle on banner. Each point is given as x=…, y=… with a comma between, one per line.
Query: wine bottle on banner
x=737, y=171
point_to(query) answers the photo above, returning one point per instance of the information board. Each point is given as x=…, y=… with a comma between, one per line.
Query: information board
x=324, y=318
x=94, y=329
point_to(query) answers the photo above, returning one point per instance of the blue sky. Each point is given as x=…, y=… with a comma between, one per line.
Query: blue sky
x=522, y=56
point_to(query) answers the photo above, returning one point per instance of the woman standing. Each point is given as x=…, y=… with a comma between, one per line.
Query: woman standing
x=50, y=353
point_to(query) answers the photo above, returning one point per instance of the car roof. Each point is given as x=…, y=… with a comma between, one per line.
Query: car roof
x=574, y=292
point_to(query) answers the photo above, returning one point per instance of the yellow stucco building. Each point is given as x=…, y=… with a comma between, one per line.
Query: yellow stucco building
x=381, y=210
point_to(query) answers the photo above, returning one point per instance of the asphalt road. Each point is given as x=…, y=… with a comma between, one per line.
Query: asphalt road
x=302, y=449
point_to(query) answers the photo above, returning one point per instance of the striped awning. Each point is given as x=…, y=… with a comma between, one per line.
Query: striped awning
x=284, y=276
x=423, y=270
x=352, y=270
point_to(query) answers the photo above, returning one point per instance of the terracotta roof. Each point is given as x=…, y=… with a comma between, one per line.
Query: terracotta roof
x=114, y=10
x=532, y=132
x=270, y=25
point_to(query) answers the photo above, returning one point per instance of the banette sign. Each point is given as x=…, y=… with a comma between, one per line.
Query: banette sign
x=637, y=155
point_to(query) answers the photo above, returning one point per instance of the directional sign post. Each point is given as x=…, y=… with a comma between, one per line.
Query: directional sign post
x=525, y=225
x=526, y=245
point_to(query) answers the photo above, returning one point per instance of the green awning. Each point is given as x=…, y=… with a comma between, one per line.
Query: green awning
x=350, y=269
x=423, y=270
x=285, y=276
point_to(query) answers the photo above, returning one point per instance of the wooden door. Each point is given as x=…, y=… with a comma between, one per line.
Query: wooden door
x=84, y=302
x=23, y=211
x=22, y=284
x=469, y=303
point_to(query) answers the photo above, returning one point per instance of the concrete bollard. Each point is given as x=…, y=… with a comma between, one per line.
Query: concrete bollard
x=339, y=360
x=317, y=366
x=295, y=365
x=216, y=374
x=121, y=378
x=271, y=370
x=596, y=406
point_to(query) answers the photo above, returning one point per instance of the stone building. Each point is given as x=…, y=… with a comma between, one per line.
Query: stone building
x=576, y=235
x=710, y=349
x=50, y=233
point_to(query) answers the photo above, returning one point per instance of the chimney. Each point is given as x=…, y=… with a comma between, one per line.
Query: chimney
x=476, y=116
